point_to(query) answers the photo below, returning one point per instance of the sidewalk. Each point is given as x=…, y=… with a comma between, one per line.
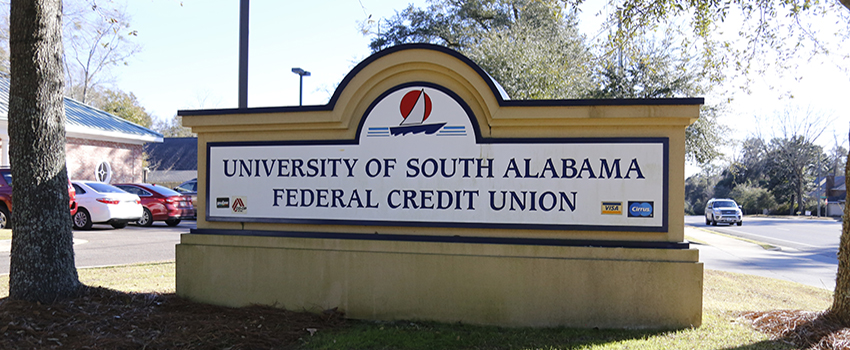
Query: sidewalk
x=721, y=252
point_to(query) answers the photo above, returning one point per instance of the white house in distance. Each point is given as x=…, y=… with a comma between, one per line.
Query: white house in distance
x=99, y=146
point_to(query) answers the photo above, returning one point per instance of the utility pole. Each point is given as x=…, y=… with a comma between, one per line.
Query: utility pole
x=243, y=53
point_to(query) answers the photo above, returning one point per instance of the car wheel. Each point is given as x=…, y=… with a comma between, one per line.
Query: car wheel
x=707, y=222
x=4, y=218
x=713, y=222
x=119, y=224
x=172, y=222
x=146, y=220
x=740, y=223
x=82, y=220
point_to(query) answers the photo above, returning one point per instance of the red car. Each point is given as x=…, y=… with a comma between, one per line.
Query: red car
x=161, y=204
x=6, y=198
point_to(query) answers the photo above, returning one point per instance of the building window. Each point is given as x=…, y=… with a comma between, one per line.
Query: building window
x=103, y=173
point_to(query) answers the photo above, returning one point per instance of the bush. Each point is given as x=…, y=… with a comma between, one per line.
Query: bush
x=753, y=200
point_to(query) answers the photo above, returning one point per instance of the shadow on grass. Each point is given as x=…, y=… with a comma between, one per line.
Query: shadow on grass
x=429, y=335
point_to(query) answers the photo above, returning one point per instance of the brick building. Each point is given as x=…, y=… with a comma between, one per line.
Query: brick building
x=99, y=145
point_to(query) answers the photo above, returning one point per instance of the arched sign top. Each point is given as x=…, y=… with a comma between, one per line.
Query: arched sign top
x=420, y=110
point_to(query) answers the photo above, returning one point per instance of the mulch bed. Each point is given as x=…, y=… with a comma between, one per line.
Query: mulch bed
x=106, y=319
x=805, y=329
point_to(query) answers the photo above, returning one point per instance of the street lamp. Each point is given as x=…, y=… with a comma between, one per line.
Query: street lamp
x=301, y=74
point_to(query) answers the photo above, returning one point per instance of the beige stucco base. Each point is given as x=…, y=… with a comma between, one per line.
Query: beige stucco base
x=489, y=284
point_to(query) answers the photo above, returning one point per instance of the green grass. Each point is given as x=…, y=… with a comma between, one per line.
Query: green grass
x=725, y=295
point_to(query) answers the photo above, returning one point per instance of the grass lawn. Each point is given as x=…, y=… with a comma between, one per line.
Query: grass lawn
x=726, y=295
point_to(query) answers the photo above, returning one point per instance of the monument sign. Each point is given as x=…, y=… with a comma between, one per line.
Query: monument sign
x=421, y=192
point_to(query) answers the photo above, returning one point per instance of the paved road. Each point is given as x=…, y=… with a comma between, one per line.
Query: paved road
x=802, y=234
x=806, y=253
x=103, y=245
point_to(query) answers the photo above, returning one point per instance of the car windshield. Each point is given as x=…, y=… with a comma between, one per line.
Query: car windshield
x=8, y=177
x=725, y=204
x=104, y=188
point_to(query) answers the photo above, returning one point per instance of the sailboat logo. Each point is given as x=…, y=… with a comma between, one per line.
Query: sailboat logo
x=415, y=108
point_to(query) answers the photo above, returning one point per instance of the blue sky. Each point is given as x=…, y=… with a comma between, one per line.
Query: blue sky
x=190, y=54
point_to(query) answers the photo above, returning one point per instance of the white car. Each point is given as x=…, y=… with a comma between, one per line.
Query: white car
x=100, y=203
x=723, y=210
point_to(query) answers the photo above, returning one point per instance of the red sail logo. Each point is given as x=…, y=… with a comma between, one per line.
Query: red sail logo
x=415, y=108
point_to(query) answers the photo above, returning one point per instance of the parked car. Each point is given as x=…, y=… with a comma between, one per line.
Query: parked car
x=6, y=198
x=100, y=203
x=189, y=188
x=161, y=204
x=723, y=210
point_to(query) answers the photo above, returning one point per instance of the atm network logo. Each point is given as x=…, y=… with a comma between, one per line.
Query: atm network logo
x=641, y=209
x=240, y=205
x=414, y=109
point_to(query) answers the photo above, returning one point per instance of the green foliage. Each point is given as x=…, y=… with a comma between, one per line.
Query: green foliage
x=121, y=104
x=533, y=62
x=772, y=35
x=791, y=168
x=534, y=50
x=699, y=188
x=531, y=47
x=460, y=24
x=753, y=199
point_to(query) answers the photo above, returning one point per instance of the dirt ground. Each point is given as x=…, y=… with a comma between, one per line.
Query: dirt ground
x=107, y=319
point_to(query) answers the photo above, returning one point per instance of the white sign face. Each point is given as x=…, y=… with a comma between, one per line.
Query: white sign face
x=419, y=160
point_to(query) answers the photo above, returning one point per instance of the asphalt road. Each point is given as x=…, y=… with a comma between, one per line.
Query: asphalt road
x=104, y=245
x=806, y=249
x=816, y=236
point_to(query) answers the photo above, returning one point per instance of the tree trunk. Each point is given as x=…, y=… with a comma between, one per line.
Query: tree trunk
x=841, y=297
x=42, y=257
x=791, y=212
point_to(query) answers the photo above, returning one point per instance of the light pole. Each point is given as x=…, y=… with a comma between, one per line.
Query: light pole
x=301, y=74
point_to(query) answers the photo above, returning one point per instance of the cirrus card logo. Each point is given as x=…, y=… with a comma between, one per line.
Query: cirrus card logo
x=641, y=209
x=612, y=208
x=222, y=202
x=240, y=205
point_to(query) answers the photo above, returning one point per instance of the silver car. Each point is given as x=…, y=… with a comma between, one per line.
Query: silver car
x=723, y=210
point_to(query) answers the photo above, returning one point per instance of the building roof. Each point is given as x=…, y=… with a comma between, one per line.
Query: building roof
x=84, y=121
x=174, y=153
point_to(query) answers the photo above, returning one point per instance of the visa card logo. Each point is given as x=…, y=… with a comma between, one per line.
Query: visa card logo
x=612, y=208
x=641, y=209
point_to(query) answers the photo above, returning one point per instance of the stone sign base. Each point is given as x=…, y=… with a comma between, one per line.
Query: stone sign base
x=476, y=283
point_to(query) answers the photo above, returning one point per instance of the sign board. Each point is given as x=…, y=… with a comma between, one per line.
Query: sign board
x=419, y=160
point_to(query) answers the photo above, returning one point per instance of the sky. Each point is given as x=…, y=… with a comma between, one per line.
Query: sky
x=189, y=60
